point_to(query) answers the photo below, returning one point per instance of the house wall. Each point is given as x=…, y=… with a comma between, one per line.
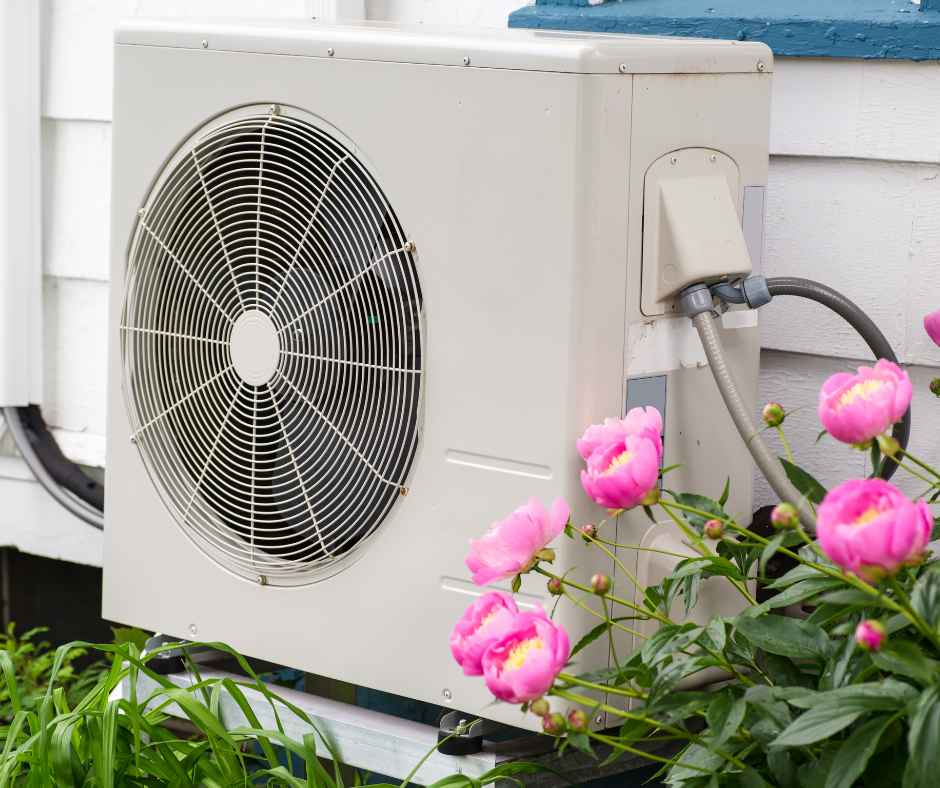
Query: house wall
x=853, y=200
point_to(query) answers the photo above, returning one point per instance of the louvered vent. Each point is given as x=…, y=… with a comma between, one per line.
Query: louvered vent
x=272, y=345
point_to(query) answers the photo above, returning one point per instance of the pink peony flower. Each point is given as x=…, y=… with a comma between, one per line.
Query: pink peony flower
x=868, y=527
x=484, y=622
x=621, y=474
x=642, y=422
x=522, y=665
x=509, y=547
x=870, y=635
x=857, y=408
x=932, y=326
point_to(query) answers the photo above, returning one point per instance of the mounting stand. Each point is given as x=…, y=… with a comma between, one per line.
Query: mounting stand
x=382, y=744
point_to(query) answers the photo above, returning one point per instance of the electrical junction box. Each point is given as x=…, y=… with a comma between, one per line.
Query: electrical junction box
x=369, y=284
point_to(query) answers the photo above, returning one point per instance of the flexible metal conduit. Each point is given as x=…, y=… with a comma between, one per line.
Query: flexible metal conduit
x=862, y=323
x=697, y=302
x=769, y=465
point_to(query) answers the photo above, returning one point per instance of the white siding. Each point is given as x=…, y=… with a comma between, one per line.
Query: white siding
x=853, y=201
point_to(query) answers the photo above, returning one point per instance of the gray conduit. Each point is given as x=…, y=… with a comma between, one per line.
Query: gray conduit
x=81, y=510
x=773, y=471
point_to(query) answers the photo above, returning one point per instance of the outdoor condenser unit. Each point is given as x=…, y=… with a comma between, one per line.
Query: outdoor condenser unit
x=370, y=283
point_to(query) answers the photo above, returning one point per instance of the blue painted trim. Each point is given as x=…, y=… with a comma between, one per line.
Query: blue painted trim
x=870, y=29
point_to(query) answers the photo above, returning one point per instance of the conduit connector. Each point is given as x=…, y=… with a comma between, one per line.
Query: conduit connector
x=696, y=299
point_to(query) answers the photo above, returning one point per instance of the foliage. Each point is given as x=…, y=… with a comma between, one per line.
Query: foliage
x=69, y=729
x=803, y=706
x=32, y=662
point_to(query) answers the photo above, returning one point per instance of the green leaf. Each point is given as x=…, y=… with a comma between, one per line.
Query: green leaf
x=580, y=741
x=923, y=765
x=788, y=637
x=701, y=502
x=516, y=584
x=907, y=659
x=815, y=725
x=715, y=632
x=725, y=715
x=691, y=762
x=853, y=756
x=804, y=482
x=782, y=768
x=851, y=596
x=795, y=575
x=723, y=498
x=798, y=592
x=887, y=695
x=925, y=597
x=590, y=637
x=768, y=552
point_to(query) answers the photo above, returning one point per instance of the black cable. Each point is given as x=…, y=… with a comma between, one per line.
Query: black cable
x=862, y=323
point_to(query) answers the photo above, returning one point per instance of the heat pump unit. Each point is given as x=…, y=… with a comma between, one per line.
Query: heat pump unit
x=369, y=284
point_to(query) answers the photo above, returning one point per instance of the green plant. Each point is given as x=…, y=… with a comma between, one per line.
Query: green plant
x=95, y=738
x=32, y=661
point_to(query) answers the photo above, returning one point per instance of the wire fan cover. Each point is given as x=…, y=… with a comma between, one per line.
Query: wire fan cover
x=272, y=345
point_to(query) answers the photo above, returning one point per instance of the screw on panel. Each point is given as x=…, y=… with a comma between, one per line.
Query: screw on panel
x=761, y=66
x=623, y=68
x=262, y=580
x=599, y=719
x=713, y=158
x=192, y=629
x=205, y=44
x=466, y=60
x=274, y=109
x=141, y=212
x=447, y=694
x=330, y=51
x=402, y=491
x=133, y=439
x=409, y=246
x=673, y=159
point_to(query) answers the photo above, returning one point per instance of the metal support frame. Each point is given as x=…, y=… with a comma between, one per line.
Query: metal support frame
x=379, y=743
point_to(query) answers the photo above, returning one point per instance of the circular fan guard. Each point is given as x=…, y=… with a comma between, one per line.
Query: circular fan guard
x=272, y=345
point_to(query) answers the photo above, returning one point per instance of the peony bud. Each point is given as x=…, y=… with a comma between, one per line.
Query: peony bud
x=600, y=584
x=577, y=720
x=784, y=516
x=589, y=532
x=888, y=445
x=870, y=635
x=714, y=529
x=553, y=724
x=935, y=387
x=555, y=587
x=773, y=414
x=540, y=707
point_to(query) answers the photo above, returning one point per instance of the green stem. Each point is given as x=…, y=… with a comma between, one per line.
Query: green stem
x=786, y=444
x=619, y=564
x=625, y=603
x=704, y=550
x=589, y=609
x=921, y=463
x=627, y=715
x=627, y=693
x=641, y=548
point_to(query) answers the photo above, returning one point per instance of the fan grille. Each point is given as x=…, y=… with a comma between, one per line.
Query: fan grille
x=272, y=345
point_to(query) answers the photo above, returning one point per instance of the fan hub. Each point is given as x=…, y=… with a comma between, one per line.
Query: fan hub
x=255, y=347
